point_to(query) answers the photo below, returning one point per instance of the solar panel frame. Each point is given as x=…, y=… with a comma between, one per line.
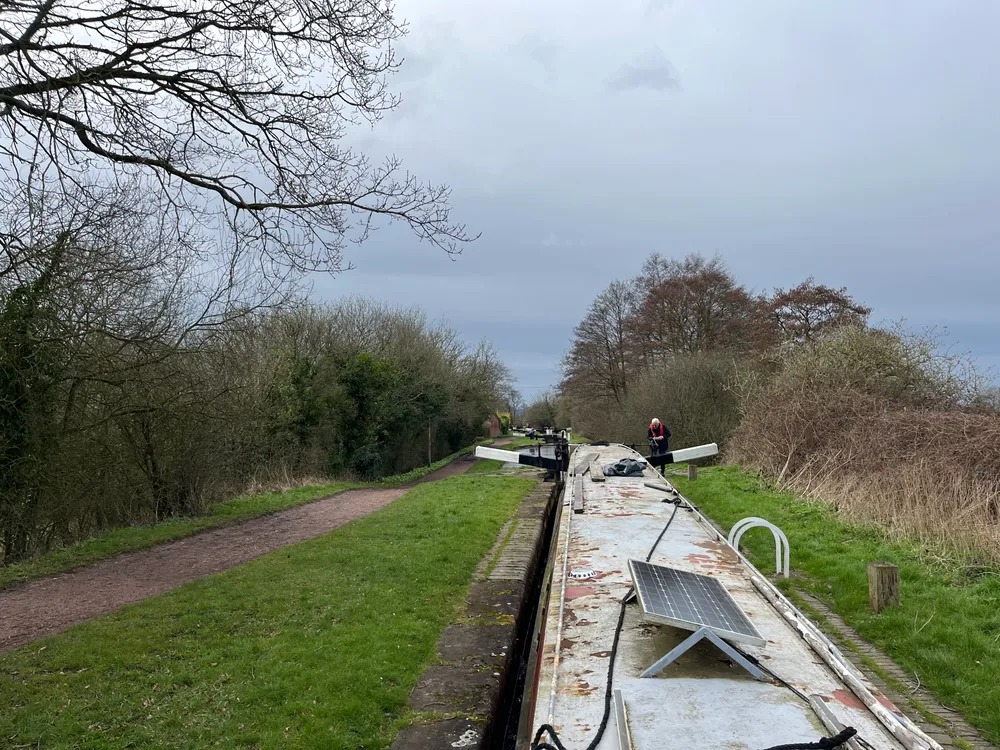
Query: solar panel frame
x=691, y=601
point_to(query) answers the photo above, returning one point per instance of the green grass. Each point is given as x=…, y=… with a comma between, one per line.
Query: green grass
x=947, y=628
x=490, y=465
x=422, y=471
x=520, y=442
x=485, y=466
x=316, y=645
x=129, y=538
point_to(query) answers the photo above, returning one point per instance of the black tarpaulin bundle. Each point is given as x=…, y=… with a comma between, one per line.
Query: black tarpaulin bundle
x=625, y=467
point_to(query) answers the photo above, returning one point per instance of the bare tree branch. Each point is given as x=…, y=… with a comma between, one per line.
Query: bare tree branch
x=226, y=106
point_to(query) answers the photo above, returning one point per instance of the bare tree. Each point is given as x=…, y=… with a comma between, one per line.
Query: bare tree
x=806, y=311
x=542, y=411
x=599, y=362
x=694, y=305
x=224, y=108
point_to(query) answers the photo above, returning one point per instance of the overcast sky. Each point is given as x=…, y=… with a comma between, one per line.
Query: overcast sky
x=853, y=141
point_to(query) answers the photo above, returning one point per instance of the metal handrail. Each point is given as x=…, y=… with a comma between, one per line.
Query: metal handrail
x=781, y=544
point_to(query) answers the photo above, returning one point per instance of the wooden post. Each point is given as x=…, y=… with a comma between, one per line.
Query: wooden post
x=883, y=585
x=692, y=472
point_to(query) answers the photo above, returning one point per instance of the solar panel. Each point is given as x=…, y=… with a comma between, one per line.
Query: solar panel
x=690, y=601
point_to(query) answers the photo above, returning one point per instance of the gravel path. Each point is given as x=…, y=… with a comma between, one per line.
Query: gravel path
x=50, y=605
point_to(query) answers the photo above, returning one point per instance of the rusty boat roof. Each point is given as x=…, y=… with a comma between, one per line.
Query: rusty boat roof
x=702, y=700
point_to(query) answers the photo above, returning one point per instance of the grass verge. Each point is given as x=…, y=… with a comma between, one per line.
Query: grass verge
x=131, y=538
x=521, y=442
x=422, y=471
x=485, y=466
x=490, y=465
x=127, y=539
x=316, y=645
x=947, y=629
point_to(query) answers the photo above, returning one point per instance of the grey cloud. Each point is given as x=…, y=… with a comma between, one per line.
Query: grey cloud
x=653, y=7
x=538, y=49
x=653, y=71
x=813, y=139
x=421, y=56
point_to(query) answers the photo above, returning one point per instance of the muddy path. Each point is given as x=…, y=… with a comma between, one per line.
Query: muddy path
x=49, y=605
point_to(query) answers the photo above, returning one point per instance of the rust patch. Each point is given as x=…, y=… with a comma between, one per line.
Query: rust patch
x=885, y=702
x=582, y=687
x=722, y=550
x=720, y=558
x=604, y=574
x=567, y=643
x=601, y=654
x=581, y=623
x=575, y=592
x=702, y=561
x=848, y=699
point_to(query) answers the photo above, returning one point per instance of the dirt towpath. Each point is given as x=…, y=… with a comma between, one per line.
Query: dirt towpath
x=50, y=605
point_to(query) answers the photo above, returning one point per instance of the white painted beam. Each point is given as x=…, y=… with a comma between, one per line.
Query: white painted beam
x=497, y=454
x=690, y=454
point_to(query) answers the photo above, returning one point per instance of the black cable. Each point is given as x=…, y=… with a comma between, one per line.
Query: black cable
x=767, y=670
x=536, y=744
x=827, y=743
x=653, y=548
x=607, y=695
x=777, y=678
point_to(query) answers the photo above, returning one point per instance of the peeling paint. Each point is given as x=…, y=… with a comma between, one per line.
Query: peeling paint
x=886, y=702
x=848, y=698
x=701, y=697
x=575, y=592
x=582, y=687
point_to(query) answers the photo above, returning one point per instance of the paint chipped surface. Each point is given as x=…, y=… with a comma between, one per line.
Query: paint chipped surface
x=848, y=698
x=575, y=592
x=701, y=698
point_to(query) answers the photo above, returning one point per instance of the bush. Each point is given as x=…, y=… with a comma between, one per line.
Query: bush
x=878, y=424
x=133, y=432
x=691, y=394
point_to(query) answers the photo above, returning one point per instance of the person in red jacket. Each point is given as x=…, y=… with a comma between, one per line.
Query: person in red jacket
x=659, y=436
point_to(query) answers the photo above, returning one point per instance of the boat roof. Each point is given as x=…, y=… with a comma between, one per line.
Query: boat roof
x=702, y=700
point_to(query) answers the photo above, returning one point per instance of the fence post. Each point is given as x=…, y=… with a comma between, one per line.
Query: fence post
x=692, y=472
x=883, y=585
